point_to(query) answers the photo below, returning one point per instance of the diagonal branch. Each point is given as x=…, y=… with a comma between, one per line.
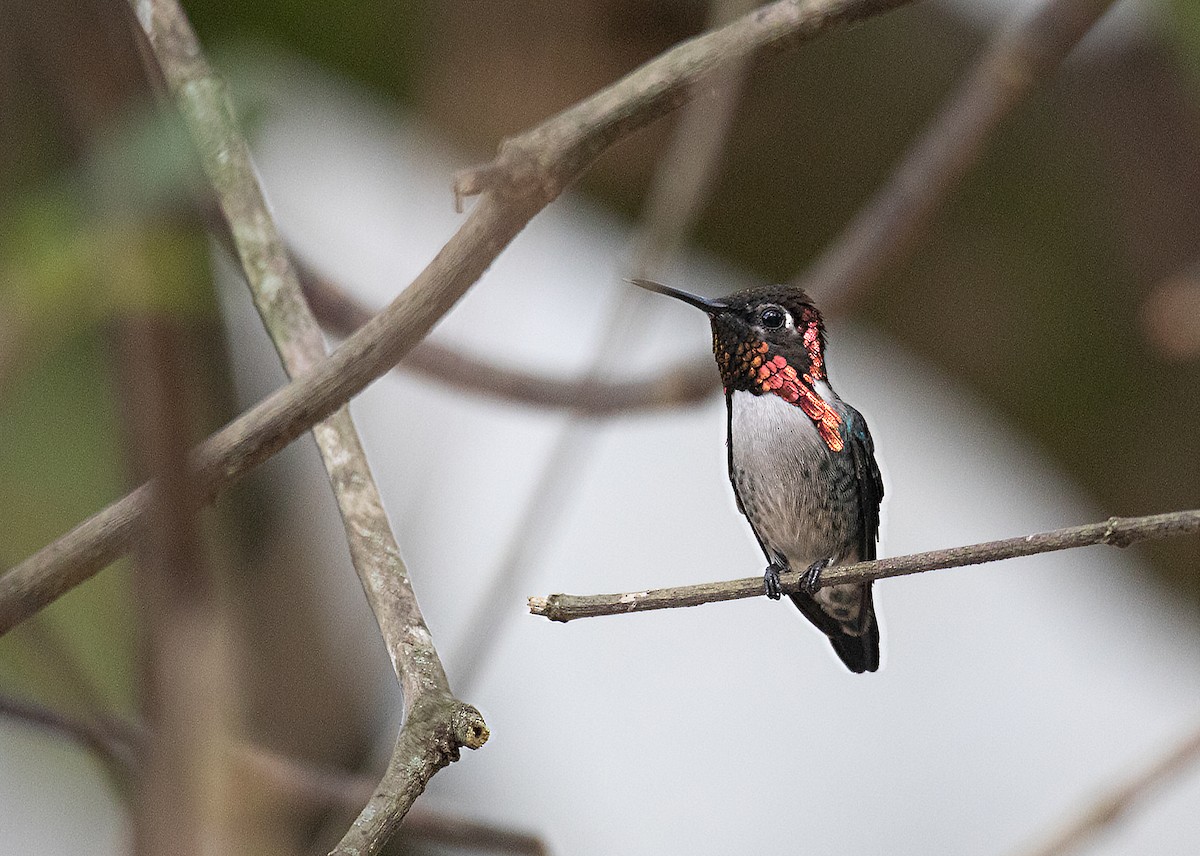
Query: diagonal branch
x=1024, y=55
x=1113, y=805
x=1116, y=532
x=535, y=174
x=436, y=724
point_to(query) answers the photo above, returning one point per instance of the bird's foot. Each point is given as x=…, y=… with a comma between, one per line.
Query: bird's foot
x=771, y=580
x=811, y=581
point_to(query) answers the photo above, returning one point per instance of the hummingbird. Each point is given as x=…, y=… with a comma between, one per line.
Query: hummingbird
x=801, y=460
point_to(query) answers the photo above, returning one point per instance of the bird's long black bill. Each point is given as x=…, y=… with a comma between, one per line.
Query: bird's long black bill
x=703, y=303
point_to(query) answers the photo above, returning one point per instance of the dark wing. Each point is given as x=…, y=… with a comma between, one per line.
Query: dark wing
x=859, y=651
x=870, y=482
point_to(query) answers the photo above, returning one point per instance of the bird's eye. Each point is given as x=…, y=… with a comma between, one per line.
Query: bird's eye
x=773, y=318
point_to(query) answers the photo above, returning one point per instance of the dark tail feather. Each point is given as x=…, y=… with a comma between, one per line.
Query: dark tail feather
x=859, y=653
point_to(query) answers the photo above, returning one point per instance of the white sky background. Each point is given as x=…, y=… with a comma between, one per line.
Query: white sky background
x=1009, y=693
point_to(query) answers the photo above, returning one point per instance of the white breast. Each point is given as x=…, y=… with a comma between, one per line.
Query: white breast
x=767, y=428
x=783, y=470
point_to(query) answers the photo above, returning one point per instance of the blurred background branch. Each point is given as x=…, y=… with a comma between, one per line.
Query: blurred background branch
x=120, y=745
x=677, y=194
x=107, y=738
x=1094, y=818
x=1023, y=55
x=185, y=685
x=682, y=385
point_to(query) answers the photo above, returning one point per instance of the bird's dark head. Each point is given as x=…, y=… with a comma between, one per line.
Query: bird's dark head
x=760, y=333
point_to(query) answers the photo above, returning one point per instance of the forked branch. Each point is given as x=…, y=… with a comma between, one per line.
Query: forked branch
x=436, y=724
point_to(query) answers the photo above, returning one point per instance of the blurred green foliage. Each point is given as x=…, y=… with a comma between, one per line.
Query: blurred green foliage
x=61, y=461
x=88, y=248
x=378, y=43
x=1183, y=26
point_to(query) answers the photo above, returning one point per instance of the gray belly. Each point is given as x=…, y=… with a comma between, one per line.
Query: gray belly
x=799, y=496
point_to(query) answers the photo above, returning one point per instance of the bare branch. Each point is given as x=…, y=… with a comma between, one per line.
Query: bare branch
x=202, y=100
x=436, y=724
x=1116, y=532
x=1112, y=806
x=256, y=435
x=299, y=781
x=1023, y=56
x=411, y=767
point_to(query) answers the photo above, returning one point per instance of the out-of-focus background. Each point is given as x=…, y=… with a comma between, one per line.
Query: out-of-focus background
x=1035, y=364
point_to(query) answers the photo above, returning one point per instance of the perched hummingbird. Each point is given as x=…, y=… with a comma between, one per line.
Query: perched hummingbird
x=801, y=460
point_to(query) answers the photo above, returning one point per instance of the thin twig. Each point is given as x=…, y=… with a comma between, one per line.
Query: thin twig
x=1111, y=807
x=1023, y=55
x=681, y=184
x=688, y=383
x=537, y=173
x=1116, y=531
x=436, y=724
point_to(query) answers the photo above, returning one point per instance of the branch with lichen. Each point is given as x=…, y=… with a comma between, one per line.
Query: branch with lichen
x=1116, y=532
x=436, y=724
